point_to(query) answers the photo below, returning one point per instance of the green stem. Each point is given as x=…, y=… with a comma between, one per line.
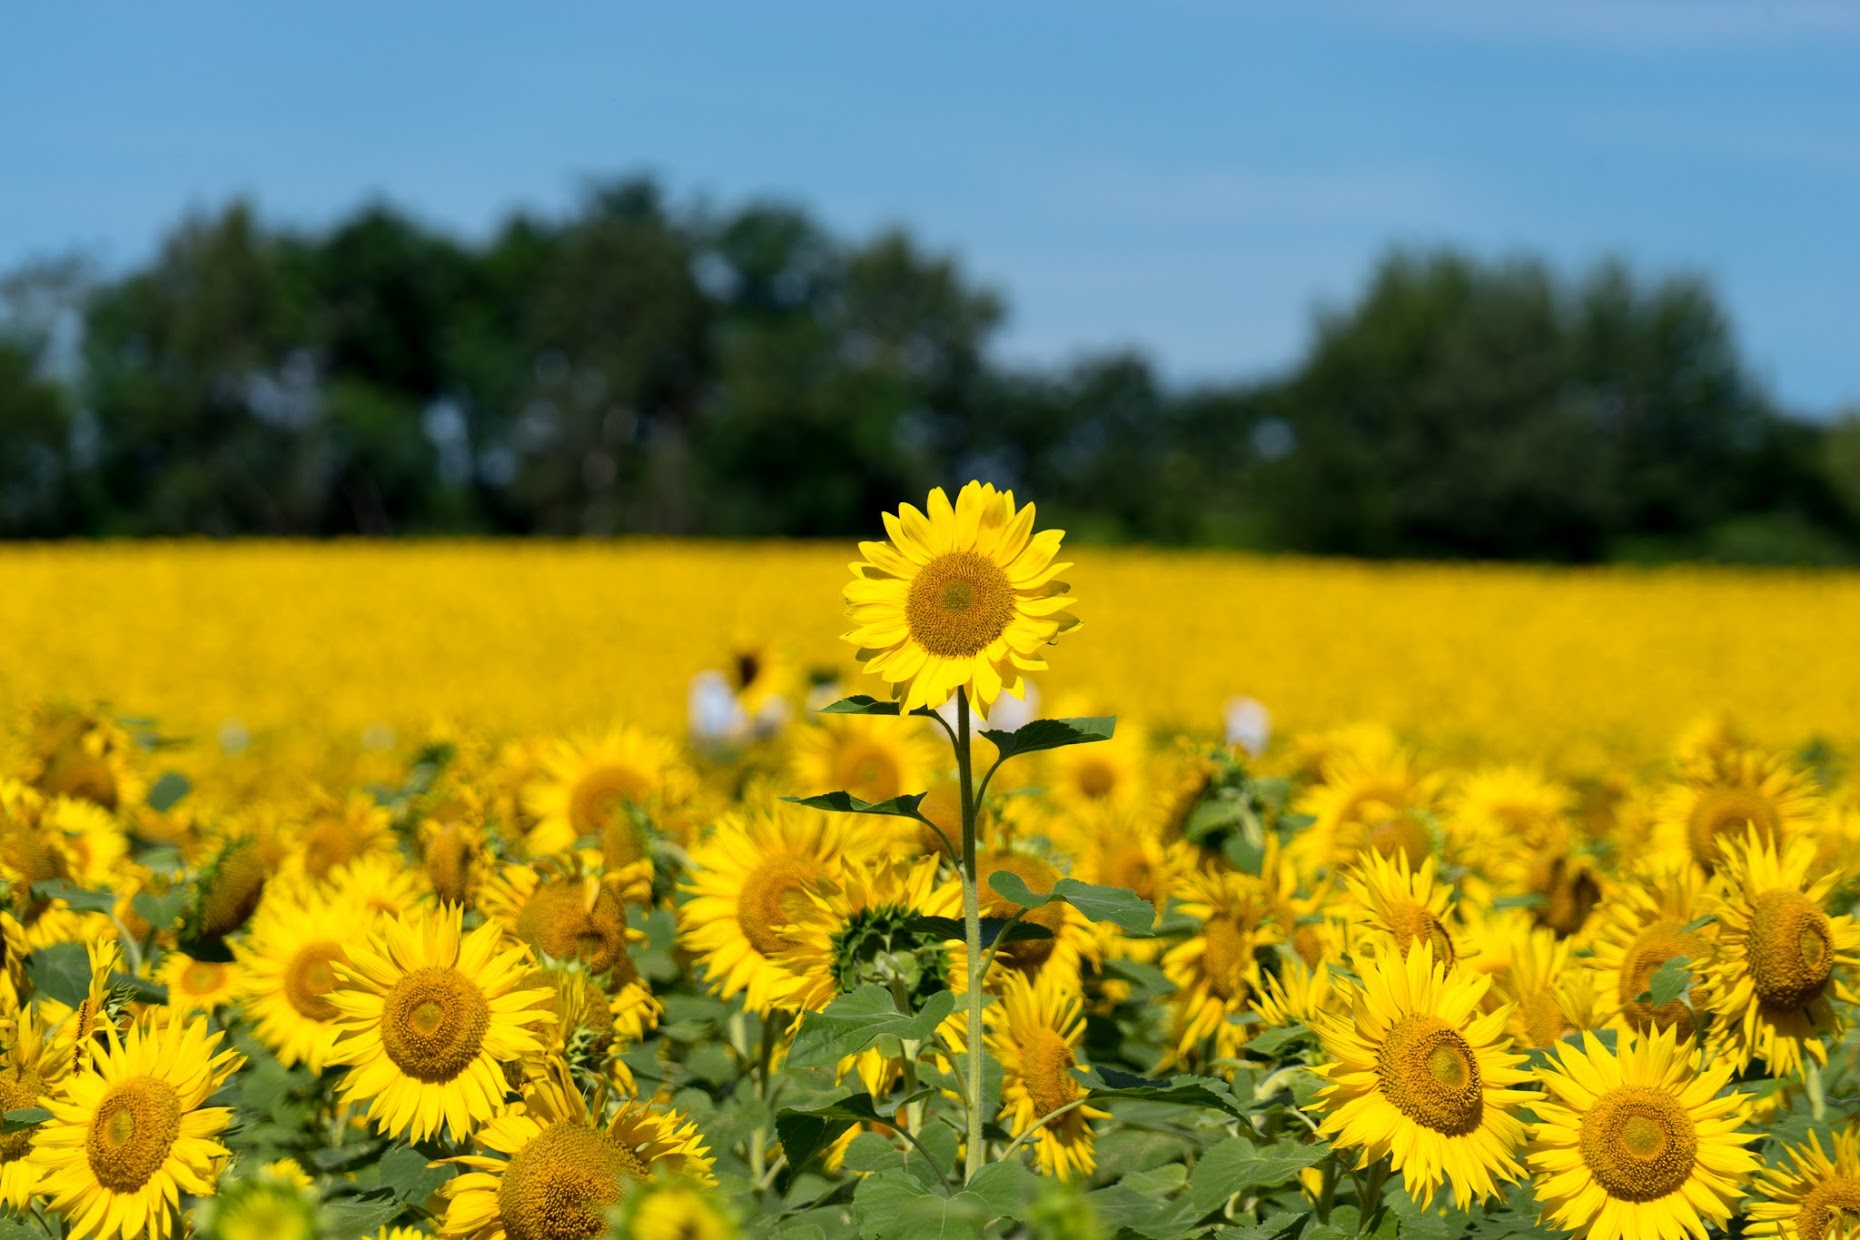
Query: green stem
x=972, y=935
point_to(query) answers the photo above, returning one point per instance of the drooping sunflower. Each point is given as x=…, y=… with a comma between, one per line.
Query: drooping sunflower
x=1780, y=961
x=872, y=757
x=128, y=1133
x=746, y=886
x=1810, y=1196
x=1398, y=906
x=1723, y=792
x=1034, y=1030
x=30, y=1070
x=599, y=786
x=198, y=985
x=1419, y=1074
x=1215, y=970
x=553, y=1171
x=1648, y=919
x=288, y=960
x=1638, y=1141
x=961, y=598
x=426, y=1016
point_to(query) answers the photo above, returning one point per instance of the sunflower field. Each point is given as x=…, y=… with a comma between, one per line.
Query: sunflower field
x=933, y=887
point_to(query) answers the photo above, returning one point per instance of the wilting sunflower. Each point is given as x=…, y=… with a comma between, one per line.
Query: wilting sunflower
x=1722, y=793
x=30, y=1070
x=288, y=959
x=960, y=599
x=1780, y=959
x=1394, y=905
x=597, y=786
x=553, y=1171
x=1646, y=921
x=1034, y=1030
x=746, y=885
x=1637, y=1142
x=427, y=1014
x=128, y=1134
x=873, y=758
x=1419, y=1074
x=198, y=985
x=1811, y=1196
x=1215, y=970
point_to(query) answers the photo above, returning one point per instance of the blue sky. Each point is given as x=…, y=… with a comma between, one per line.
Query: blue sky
x=1192, y=179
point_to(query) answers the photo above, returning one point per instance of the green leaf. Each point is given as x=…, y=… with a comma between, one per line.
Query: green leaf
x=160, y=911
x=405, y=1171
x=1186, y=1090
x=78, y=898
x=859, y=704
x=1052, y=734
x=11, y=1230
x=1130, y=911
x=1148, y=1203
x=1669, y=981
x=61, y=971
x=1272, y=1227
x=167, y=791
x=1006, y=1187
x=846, y=803
x=855, y=1021
x=1271, y=1040
x=23, y=1118
x=890, y=1206
x=362, y=1214
x=950, y=928
x=803, y=1134
x=1237, y=1165
x=1698, y=923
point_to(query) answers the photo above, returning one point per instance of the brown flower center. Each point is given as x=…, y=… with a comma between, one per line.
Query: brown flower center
x=1830, y=1209
x=1653, y=947
x=1226, y=953
x=1427, y=1071
x=559, y=1186
x=132, y=1131
x=433, y=1023
x=1639, y=1143
x=1791, y=949
x=559, y=921
x=1728, y=811
x=1046, y=1064
x=308, y=977
x=768, y=901
x=600, y=798
x=19, y=1089
x=958, y=604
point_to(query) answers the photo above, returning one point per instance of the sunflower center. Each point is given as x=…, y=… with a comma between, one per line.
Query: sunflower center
x=132, y=1131
x=1831, y=1208
x=1544, y=1021
x=1428, y=1072
x=867, y=771
x=1571, y=894
x=959, y=603
x=1791, y=949
x=308, y=977
x=19, y=1089
x=1722, y=811
x=558, y=921
x=448, y=864
x=748, y=667
x=201, y=977
x=1412, y=923
x=1095, y=779
x=766, y=902
x=1653, y=947
x=600, y=798
x=1225, y=954
x=1639, y=1143
x=1046, y=1064
x=332, y=842
x=558, y=1187
x=433, y=1023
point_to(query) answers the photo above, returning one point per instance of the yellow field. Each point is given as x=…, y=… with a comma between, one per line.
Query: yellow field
x=511, y=637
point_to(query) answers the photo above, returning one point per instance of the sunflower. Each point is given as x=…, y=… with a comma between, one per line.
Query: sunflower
x=1293, y=994
x=1638, y=1141
x=1646, y=921
x=671, y=1207
x=82, y=754
x=1389, y=903
x=379, y=882
x=30, y=1070
x=230, y=889
x=1107, y=775
x=451, y=853
x=763, y=683
x=1215, y=970
x=604, y=788
x=1722, y=792
x=92, y=844
x=556, y=1169
x=1034, y=1030
x=1502, y=812
x=128, y=1134
x=564, y=911
x=872, y=757
x=1549, y=999
x=335, y=833
x=961, y=599
x=427, y=1014
x=198, y=985
x=1810, y=1196
x=288, y=960
x=745, y=887
x=859, y=928
x=1416, y=1072
x=1072, y=936
x=1371, y=797
x=273, y=1203
x=1780, y=959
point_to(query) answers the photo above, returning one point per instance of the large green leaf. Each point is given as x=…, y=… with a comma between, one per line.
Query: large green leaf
x=846, y=803
x=1052, y=734
x=1148, y=1203
x=1669, y=982
x=1237, y=1165
x=891, y=1206
x=992, y=928
x=803, y=1134
x=405, y=1171
x=1129, y=911
x=165, y=793
x=61, y=971
x=860, y=704
x=23, y=1118
x=77, y=897
x=1184, y=1089
x=853, y=1022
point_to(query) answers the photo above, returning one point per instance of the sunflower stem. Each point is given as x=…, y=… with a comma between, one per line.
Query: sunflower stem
x=972, y=935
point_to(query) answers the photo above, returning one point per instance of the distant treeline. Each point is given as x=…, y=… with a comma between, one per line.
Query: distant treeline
x=635, y=367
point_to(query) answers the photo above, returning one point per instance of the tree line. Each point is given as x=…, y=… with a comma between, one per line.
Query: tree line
x=635, y=366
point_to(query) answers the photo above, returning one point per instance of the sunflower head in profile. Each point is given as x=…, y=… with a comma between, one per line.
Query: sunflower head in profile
x=1638, y=1141
x=1781, y=960
x=1034, y=1030
x=1650, y=917
x=747, y=886
x=427, y=1015
x=1392, y=904
x=1216, y=969
x=605, y=789
x=128, y=1134
x=962, y=597
x=862, y=928
x=1417, y=1071
x=554, y=1170
x=1724, y=793
x=288, y=960
x=229, y=890
x=1808, y=1194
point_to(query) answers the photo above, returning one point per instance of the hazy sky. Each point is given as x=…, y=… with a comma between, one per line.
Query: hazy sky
x=1190, y=178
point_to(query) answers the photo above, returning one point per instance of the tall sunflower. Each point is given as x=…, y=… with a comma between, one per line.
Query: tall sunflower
x=1810, y=1196
x=960, y=599
x=1781, y=959
x=128, y=1134
x=288, y=959
x=553, y=1170
x=1417, y=1073
x=1637, y=1142
x=1723, y=792
x=745, y=887
x=1034, y=1031
x=427, y=1014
